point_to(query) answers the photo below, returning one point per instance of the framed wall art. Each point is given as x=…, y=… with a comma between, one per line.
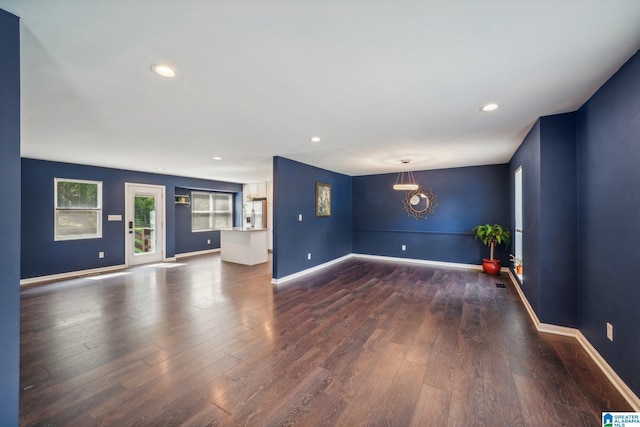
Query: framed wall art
x=323, y=199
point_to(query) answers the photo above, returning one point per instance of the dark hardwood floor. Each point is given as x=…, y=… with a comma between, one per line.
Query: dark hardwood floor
x=200, y=342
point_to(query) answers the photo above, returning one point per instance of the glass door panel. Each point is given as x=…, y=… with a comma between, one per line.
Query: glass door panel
x=144, y=224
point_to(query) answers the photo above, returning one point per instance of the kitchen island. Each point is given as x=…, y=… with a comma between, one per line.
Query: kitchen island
x=246, y=246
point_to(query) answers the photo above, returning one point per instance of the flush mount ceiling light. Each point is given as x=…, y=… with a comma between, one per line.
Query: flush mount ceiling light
x=163, y=70
x=217, y=158
x=410, y=184
x=314, y=139
x=489, y=107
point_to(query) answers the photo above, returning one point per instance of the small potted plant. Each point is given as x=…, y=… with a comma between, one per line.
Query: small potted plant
x=517, y=263
x=492, y=235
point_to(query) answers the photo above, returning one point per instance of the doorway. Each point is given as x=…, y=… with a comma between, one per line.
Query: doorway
x=145, y=223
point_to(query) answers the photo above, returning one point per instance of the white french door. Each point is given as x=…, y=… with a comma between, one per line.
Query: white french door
x=145, y=223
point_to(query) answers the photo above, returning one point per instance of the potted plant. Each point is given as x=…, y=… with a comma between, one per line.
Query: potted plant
x=492, y=235
x=517, y=263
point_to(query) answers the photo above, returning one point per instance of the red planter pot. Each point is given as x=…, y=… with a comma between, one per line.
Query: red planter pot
x=491, y=266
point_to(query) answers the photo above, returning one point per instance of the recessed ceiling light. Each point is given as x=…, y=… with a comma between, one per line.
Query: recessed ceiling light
x=217, y=158
x=490, y=107
x=163, y=70
x=315, y=139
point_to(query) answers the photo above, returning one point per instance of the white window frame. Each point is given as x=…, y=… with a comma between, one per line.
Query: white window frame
x=57, y=209
x=212, y=211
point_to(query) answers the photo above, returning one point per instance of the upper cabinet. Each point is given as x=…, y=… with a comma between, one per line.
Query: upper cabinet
x=256, y=190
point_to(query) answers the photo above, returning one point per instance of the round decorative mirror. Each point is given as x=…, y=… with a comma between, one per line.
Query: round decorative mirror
x=420, y=203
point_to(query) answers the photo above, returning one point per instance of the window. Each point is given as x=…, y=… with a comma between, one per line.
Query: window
x=211, y=211
x=78, y=209
x=518, y=235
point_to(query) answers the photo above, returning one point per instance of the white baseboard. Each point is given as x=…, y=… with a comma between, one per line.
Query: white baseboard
x=421, y=261
x=525, y=301
x=52, y=277
x=299, y=274
x=606, y=369
x=626, y=392
x=196, y=253
x=380, y=258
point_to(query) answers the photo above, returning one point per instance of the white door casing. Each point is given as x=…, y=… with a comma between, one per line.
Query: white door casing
x=145, y=232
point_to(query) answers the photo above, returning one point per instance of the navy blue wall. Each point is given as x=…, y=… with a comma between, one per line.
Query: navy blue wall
x=9, y=218
x=42, y=256
x=608, y=220
x=327, y=238
x=466, y=197
x=548, y=160
x=188, y=241
x=558, y=231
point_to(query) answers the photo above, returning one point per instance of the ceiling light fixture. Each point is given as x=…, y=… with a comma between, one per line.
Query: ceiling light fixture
x=163, y=70
x=217, y=158
x=400, y=184
x=489, y=107
x=315, y=139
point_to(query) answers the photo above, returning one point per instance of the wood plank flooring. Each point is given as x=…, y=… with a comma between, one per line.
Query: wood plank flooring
x=204, y=343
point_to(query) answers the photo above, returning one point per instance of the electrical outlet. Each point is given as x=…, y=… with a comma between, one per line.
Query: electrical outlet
x=300, y=217
x=404, y=247
x=208, y=241
x=309, y=255
x=610, y=331
x=100, y=254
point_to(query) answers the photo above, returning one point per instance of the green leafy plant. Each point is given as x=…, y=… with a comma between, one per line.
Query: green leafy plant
x=492, y=235
x=515, y=260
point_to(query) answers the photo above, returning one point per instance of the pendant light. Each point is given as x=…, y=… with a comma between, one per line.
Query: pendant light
x=410, y=184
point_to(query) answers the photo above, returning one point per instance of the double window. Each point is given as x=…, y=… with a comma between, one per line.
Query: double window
x=78, y=209
x=211, y=211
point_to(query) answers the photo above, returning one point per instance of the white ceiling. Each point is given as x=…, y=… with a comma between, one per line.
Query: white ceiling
x=379, y=81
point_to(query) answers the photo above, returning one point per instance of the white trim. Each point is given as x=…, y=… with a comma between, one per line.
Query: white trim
x=420, y=261
x=97, y=210
x=195, y=253
x=162, y=240
x=525, y=301
x=617, y=382
x=309, y=270
x=78, y=273
x=557, y=330
x=606, y=369
x=380, y=258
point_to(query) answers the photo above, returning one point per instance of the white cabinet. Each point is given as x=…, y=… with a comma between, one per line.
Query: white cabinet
x=247, y=247
x=255, y=190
